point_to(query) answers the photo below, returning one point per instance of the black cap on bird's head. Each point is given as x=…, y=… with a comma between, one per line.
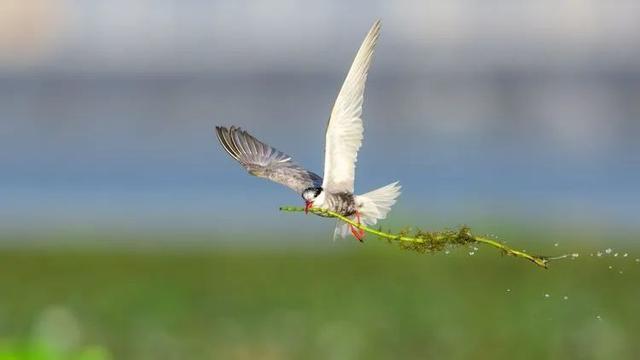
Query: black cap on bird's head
x=309, y=195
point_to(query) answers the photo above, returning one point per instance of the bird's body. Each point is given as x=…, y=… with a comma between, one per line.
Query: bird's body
x=344, y=135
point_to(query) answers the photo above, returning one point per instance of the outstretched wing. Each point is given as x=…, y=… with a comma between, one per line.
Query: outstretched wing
x=344, y=130
x=265, y=161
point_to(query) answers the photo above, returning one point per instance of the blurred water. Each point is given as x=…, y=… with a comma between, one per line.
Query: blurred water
x=530, y=112
x=104, y=147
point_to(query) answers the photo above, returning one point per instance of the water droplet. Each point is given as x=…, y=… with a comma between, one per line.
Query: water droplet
x=615, y=255
x=565, y=297
x=620, y=272
x=556, y=244
x=446, y=252
x=625, y=255
x=610, y=267
x=637, y=260
x=598, y=317
x=547, y=296
x=471, y=253
x=599, y=254
x=475, y=248
x=508, y=290
x=608, y=250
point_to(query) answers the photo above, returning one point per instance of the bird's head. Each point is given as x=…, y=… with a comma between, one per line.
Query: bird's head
x=309, y=195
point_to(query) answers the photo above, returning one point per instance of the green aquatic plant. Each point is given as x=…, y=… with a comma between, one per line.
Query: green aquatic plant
x=431, y=241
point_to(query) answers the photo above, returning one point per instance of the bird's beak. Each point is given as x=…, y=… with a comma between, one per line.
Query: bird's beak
x=307, y=206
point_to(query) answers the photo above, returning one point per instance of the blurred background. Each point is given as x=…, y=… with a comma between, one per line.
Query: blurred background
x=125, y=231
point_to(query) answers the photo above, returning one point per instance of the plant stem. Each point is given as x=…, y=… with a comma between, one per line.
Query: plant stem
x=431, y=241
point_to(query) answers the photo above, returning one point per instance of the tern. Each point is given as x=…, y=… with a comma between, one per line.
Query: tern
x=344, y=134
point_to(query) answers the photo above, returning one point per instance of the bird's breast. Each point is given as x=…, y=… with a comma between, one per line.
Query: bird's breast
x=343, y=203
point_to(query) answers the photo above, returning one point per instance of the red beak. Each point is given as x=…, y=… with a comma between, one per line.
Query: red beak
x=307, y=206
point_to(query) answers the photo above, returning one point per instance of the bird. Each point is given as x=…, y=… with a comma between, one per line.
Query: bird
x=343, y=139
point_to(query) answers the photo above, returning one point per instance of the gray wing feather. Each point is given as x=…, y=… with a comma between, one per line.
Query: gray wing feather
x=265, y=161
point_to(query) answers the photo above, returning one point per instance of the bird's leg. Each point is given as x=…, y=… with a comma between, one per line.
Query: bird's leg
x=356, y=232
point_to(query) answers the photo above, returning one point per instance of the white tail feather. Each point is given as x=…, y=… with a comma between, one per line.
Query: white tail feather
x=341, y=231
x=372, y=206
x=376, y=204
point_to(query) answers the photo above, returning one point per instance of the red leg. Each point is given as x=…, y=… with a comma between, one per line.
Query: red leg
x=356, y=232
x=360, y=231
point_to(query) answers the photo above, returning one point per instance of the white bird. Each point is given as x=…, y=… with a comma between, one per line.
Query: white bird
x=343, y=140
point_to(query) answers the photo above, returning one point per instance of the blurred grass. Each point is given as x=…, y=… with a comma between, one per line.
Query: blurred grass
x=341, y=301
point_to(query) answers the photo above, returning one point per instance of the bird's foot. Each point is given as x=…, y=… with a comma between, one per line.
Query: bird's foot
x=356, y=232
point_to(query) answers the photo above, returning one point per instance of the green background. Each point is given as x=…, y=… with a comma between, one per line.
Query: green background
x=178, y=298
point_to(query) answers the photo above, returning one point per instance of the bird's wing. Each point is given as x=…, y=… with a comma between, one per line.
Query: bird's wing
x=265, y=161
x=344, y=130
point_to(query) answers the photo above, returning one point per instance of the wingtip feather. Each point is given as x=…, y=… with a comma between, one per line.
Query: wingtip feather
x=224, y=137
